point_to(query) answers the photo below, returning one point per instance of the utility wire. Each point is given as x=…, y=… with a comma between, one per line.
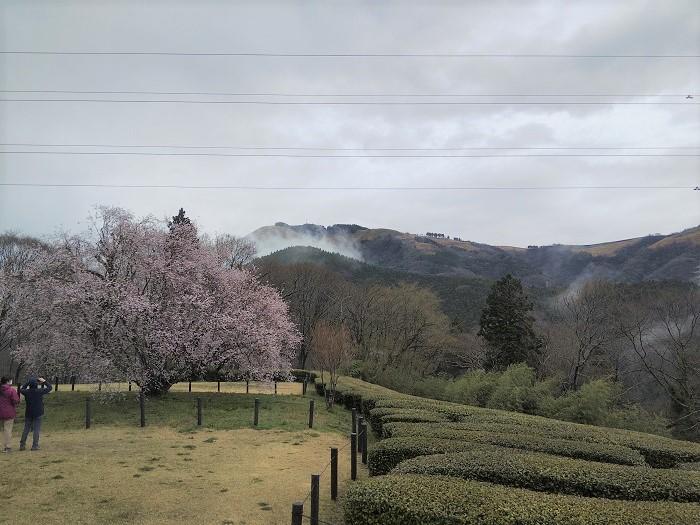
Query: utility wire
x=326, y=148
x=337, y=55
x=327, y=156
x=340, y=188
x=345, y=103
x=339, y=95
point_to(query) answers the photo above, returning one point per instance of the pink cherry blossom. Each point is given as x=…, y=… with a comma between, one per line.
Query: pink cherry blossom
x=135, y=300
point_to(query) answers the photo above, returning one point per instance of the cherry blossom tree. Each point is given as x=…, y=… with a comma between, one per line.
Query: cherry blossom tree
x=152, y=304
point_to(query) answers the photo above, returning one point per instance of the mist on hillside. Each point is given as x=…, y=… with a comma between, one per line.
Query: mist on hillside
x=334, y=239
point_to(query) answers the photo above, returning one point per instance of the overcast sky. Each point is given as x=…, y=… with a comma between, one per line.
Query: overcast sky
x=512, y=217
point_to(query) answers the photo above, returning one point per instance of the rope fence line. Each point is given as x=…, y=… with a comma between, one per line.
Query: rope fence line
x=358, y=445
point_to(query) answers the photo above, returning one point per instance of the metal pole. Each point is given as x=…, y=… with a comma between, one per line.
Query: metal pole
x=257, y=409
x=334, y=474
x=199, y=411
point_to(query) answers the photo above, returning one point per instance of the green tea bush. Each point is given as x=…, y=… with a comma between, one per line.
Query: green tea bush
x=659, y=451
x=559, y=447
x=546, y=473
x=436, y=500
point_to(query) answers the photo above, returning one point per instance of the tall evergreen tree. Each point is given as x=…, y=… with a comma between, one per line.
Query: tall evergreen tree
x=179, y=219
x=506, y=325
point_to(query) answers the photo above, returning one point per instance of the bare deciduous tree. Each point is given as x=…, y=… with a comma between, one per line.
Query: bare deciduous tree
x=332, y=353
x=661, y=326
x=234, y=252
x=586, y=327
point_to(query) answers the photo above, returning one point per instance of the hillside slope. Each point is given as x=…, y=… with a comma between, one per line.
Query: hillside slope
x=654, y=257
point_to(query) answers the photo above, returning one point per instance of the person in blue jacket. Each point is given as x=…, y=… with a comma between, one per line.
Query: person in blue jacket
x=33, y=391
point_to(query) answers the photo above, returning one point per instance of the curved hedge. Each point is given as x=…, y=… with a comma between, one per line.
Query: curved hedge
x=435, y=500
x=559, y=447
x=542, y=472
x=380, y=416
x=658, y=451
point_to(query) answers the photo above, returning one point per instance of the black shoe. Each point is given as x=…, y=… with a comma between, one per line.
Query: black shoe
x=35, y=448
x=21, y=448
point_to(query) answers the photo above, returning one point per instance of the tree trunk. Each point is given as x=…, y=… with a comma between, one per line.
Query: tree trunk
x=155, y=386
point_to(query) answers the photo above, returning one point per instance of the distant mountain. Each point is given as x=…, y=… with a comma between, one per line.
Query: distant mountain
x=654, y=257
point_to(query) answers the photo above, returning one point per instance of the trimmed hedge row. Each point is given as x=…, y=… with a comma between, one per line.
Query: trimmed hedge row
x=658, y=451
x=388, y=453
x=542, y=472
x=378, y=417
x=435, y=500
x=558, y=447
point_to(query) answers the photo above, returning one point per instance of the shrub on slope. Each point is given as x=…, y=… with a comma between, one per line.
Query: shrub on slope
x=435, y=500
x=388, y=453
x=546, y=473
x=558, y=447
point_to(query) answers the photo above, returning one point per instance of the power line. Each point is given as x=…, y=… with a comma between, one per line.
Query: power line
x=342, y=188
x=325, y=148
x=326, y=156
x=344, y=103
x=338, y=55
x=343, y=95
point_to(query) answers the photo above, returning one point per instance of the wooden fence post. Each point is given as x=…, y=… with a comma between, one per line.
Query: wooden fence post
x=303, y=388
x=257, y=409
x=142, y=407
x=199, y=411
x=88, y=412
x=311, y=414
x=129, y=386
x=354, y=420
x=247, y=386
x=218, y=386
x=353, y=456
x=99, y=386
x=55, y=384
x=72, y=383
x=334, y=474
x=189, y=387
x=363, y=440
x=297, y=513
x=315, y=480
x=360, y=422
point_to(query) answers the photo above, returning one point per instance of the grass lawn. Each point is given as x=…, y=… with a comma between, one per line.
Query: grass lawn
x=225, y=472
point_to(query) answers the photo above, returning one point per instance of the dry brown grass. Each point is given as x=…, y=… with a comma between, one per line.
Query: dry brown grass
x=157, y=475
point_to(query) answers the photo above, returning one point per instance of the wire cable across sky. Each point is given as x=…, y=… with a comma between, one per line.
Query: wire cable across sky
x=328, y=156
x=347, y=55
x=339, y=188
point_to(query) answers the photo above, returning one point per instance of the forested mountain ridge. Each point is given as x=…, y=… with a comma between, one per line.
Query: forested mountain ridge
x=653, y=257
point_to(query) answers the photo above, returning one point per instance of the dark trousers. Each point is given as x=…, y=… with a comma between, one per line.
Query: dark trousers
x=33, y=425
